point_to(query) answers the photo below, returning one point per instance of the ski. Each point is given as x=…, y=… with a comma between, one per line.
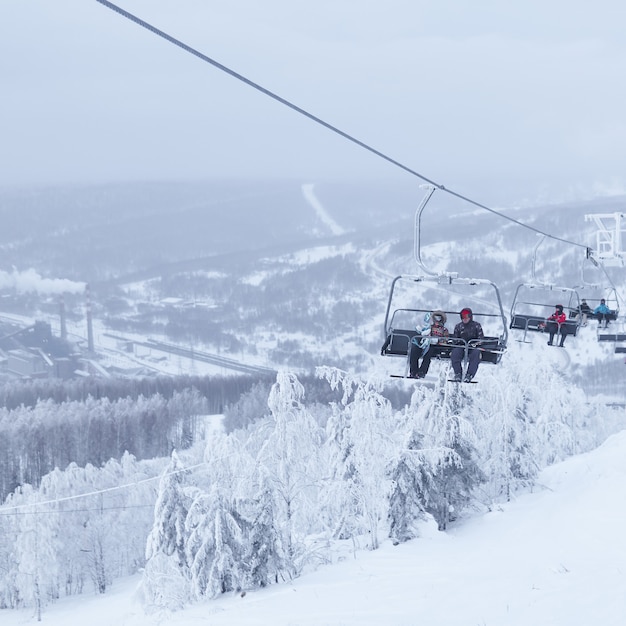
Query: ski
x=424, y=380
x=453, y=380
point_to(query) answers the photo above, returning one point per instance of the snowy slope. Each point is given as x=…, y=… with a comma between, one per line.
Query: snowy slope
x=554, y=557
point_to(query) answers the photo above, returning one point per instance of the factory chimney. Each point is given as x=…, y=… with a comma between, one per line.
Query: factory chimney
x=90, y=346
x=63, y=320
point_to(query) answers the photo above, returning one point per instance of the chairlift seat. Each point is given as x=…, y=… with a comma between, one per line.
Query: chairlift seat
x=612, y=316
x=540, y=324
x=527, y=322
x=492, y=350
x=568, y=327
x=612, y=337
x=398, y=343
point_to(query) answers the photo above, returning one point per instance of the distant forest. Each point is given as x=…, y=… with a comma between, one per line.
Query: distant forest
x=49, y=424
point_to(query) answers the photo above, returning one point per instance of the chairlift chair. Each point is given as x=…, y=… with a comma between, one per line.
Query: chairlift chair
x=593, y=293
x=532, y=306
x=403, y=323
x=534, y=302
x=404, y=317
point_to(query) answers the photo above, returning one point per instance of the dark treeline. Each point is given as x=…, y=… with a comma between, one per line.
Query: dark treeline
x=220, y=392
x=48, y=424
x=36, y=440
x=217, y=390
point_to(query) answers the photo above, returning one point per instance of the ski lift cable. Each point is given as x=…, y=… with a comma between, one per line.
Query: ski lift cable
x=314, y=118
x=267, y=92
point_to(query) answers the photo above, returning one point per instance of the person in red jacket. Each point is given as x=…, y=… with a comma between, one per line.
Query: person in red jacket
x=554, y=323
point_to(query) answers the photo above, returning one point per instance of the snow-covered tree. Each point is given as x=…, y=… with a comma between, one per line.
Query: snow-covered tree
x=526, y=418
x=165, y=582
x=36, y=546
x=289, y=458
x=264, y=554
x=363, y=435
x=410, y=480
x=168, y=535
x=214, y=548
x=449, y=439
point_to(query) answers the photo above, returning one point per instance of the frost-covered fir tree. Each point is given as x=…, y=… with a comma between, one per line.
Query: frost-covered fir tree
x=168, y=534
x=410, y=479
x=214, y=547
x=264, y=554
x=166, y=575
x=449, y=446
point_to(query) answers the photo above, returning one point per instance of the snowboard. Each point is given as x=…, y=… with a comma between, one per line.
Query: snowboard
x=424, y=340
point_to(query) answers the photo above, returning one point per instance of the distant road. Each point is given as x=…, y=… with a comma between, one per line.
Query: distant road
x=204, y=357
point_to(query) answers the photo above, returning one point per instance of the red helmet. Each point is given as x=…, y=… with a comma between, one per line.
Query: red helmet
x=466, y=311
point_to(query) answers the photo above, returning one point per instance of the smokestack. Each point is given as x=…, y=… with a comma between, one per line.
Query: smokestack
x=63, y=321
x=90, y=347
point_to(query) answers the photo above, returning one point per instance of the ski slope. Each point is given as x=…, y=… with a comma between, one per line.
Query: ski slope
x=555, y=557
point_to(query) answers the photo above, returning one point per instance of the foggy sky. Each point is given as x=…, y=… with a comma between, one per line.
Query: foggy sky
x=527, y=96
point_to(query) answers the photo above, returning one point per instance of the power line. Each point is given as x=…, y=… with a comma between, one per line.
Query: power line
x=314, y=118
x=4, y=510
x=17, y=507
x=93, y=509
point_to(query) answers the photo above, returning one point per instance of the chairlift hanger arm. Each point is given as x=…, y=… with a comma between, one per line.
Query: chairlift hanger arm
x=417, y=250
x=533, y=268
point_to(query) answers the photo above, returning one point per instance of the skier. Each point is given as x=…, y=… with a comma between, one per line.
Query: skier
x=467, y=329
x=602, y=312
x=437, y=329
x=585, y=312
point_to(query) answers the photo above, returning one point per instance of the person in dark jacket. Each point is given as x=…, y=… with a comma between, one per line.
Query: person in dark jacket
x=585, y=311
x=467, y=330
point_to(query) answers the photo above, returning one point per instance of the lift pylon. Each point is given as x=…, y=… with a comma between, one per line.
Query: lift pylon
x=610, y=237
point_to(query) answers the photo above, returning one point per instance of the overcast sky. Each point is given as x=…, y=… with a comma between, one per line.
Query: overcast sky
x=522, y=95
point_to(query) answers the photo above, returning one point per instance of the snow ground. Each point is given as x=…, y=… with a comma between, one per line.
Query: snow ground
x=555, y=557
